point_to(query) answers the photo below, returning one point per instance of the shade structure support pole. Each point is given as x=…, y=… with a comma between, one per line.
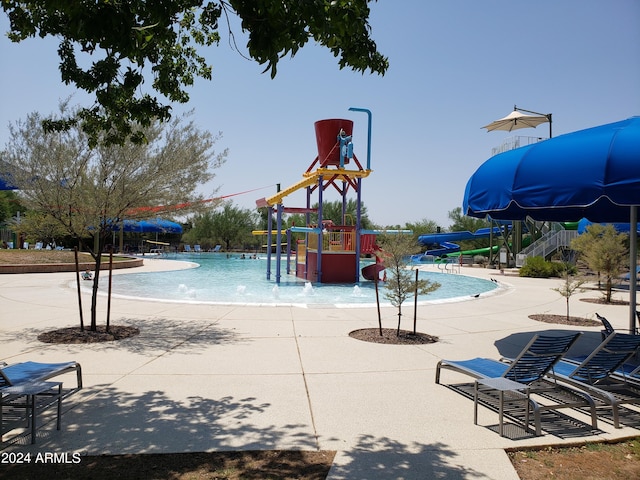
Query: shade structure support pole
x=633, y=260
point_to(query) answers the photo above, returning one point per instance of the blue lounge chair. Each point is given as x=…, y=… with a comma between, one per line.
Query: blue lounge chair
x=197, y=248
x=602, y=374
x=608, y=328
x=187, y=248
x=28, y=372
x=27, y=380
x=529, y=368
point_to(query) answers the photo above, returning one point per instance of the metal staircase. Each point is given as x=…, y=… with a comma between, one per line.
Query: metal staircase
x=546, y=245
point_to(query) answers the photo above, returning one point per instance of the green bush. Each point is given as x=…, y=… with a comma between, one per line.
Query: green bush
x=537, y=267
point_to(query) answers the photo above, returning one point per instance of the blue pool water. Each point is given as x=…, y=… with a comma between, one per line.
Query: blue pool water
x=222, y=280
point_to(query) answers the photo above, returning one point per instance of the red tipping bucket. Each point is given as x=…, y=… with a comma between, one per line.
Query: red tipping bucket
x=327, y=138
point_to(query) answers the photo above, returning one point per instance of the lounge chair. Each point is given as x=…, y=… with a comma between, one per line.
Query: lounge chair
x=197, y=248
x=216, y=248
x=187, y=248
x=608, y=328
x=529, y=368
x=28, y=372
x=602, y=374
x=27, y=380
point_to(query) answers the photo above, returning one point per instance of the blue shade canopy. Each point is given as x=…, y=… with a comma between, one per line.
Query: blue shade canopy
x=156, y=225
x=5, y=177
x=592, y=173
x=5, y=186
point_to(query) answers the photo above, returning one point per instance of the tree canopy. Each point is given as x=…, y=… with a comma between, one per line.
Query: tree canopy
x=605, y=251
x=88, y=191
x=228, y=225
x=119, y=41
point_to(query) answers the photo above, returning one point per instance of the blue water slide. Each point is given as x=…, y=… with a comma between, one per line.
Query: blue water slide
x=444, y=240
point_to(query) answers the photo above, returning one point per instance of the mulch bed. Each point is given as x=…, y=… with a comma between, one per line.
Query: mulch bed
x=601, y=301
x=390, y=336
x=563, y=320
x=76, y=335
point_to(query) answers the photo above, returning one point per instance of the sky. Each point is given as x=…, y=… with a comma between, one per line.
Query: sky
x=455, y=66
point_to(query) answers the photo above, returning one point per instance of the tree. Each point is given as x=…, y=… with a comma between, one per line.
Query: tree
x=118, y=41
x=88, y=191
x=38, y=226
x=401, y=284
x=465, y=223
x=604, y=250
x=422, y=227
x=232, y=225
x=9, y=205
x=333, y=211
x=570, y=285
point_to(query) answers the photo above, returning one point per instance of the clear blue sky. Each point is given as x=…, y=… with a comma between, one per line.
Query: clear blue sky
x=454, y=66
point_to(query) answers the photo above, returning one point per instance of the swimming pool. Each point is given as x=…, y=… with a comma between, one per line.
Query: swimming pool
x=235, y=280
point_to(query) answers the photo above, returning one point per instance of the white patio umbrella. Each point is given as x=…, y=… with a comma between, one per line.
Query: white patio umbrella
x=517, y=119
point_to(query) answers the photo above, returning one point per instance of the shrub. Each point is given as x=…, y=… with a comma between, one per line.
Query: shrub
x=537, y=267
x=479, y=259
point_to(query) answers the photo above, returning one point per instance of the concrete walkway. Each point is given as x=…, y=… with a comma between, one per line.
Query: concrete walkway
x=204, y=378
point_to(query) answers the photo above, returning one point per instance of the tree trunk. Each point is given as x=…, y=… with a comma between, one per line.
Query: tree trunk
x=608, y=287
x=378, y=305
x=399, y=317
x=97, y=255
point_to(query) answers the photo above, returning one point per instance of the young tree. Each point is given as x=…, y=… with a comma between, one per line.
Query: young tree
x=232, y=225
x=604, y=250
x=570, y=285
x=90, y=190
x=106, y=47
x=401, y=283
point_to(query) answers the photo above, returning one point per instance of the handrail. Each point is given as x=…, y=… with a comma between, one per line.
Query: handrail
x=547, y=244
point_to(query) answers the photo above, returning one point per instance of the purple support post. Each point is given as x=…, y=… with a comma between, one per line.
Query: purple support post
x=288, y=251
x=358, y=227
x=269, y=227
x=280, y=208
x=320, y=234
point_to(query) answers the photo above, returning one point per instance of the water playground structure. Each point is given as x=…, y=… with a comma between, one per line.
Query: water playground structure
x=328, y=253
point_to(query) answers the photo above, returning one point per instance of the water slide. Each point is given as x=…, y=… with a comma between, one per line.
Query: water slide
x=444, y=240
x=371, y=271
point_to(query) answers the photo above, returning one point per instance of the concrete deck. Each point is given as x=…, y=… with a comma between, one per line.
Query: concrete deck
x=205, y=378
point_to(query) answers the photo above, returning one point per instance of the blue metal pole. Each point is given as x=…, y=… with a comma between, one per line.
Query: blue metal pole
x=368, y=112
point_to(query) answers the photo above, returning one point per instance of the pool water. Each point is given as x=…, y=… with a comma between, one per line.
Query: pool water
x=222, y=280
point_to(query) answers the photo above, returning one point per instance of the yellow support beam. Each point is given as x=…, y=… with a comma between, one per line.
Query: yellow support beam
x=311, y=178
x=265, y=232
